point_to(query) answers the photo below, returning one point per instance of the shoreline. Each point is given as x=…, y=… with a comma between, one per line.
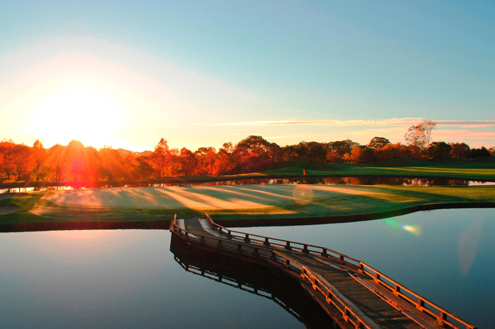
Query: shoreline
x=165, y=224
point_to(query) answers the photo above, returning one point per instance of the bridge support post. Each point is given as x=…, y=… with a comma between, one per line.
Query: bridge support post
x=420, y=305
x=377, y=278
x=246, y=238
x=287, y=246
x=305, y=249
x=266, y=243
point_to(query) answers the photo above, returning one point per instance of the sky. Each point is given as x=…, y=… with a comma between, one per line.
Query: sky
x=201, y=73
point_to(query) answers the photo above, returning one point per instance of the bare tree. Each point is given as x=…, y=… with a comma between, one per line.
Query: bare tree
x=420, y=135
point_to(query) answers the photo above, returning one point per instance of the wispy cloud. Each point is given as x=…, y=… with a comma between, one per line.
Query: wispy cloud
x=395, y=122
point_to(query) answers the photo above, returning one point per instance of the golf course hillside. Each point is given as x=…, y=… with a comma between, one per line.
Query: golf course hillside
x=237, y=205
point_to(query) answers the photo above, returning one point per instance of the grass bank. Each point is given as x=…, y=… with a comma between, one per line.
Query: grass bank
x=246, y=205
x=414, y=168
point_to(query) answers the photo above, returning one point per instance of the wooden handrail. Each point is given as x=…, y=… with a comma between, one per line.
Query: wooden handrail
x=420, y=302
x=443, y=316
x=271, y=241
x=349, y=311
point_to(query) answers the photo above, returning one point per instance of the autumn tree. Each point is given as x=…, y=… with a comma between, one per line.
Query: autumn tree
x=144, y=168
x=224, y=163
x=420, y=135
x=439, y=150
x=337, y=149
x=187, y=161
x=378, y=142
x=460, y=151
x=7, y=159
x=57, y=162
x=39, y=156
x=110, y=164
x=160, y=157
x=360, y=154
x=205, y=157
x=479, y=152
x=317, y=152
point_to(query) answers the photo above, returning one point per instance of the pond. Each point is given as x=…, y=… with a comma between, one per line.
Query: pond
x=129, y=278
x=447, y=256
x=353, y=180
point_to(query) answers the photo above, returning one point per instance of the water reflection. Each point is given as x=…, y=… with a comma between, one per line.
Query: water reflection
x=259, y=280
x=360, y=180
x=116, y=279
x=447, y=256
x=357, y=180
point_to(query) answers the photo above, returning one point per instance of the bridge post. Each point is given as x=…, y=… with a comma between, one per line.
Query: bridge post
x=420, y=305
x=442, y=317
x=246, y=238
x=324, y=253
x=266, y=243
x=287, y=246
x=229, y=234
x=305, y=249
x=396, y=290
x=345, y=315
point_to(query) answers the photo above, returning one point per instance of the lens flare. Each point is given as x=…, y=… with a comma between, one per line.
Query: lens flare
x=468, y=245
x=415, y=230
x=303, y=194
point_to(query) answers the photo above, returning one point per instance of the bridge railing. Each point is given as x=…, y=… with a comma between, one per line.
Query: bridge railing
x=443, y=316
x=285, y=244
x=349, y=311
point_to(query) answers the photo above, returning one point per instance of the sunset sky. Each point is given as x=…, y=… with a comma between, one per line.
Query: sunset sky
x=201, y=73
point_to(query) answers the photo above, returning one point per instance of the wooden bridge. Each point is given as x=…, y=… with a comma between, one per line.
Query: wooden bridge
x=352, y=293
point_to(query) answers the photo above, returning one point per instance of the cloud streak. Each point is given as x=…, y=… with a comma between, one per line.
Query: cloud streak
x=395, y=122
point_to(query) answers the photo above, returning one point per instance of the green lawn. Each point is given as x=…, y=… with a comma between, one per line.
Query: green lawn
x=246, y=202
x=405, y=168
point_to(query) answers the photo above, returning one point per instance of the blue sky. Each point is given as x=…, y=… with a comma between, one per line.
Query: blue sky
x=198, y=73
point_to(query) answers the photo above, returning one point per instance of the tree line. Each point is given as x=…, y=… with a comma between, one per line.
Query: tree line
x=76, y=162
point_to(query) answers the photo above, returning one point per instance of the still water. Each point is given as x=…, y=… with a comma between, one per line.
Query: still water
x=447, y=256
x=129, y=278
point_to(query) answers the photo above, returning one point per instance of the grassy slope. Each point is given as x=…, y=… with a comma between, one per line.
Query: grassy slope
x=347, y=201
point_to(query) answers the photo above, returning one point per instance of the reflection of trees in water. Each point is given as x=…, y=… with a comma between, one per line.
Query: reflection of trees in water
x=261, y=280
x=352, y=180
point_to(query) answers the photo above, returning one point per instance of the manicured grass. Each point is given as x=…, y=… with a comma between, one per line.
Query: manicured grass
x=483, y=171
x=246, y=202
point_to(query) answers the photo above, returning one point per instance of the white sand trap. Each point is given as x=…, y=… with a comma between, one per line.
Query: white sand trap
x=192, y=197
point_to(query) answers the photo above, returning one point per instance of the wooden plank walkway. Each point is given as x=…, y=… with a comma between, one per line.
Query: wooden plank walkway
x=354, y=294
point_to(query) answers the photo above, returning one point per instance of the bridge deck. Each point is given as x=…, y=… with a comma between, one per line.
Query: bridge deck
x=348, y=294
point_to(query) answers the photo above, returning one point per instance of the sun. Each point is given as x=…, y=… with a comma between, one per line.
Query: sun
x=83, y=114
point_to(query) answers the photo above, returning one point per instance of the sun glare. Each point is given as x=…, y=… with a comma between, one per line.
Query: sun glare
x=78, y=113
